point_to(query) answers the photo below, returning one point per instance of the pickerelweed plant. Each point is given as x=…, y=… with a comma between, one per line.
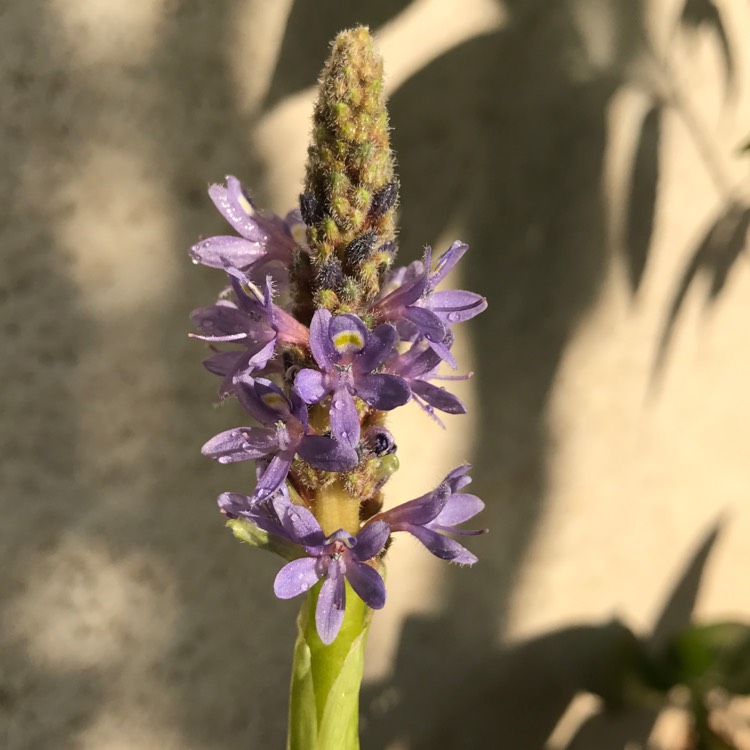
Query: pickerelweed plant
x=328, y=338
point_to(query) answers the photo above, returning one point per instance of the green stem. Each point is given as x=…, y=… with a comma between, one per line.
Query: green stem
x=324, y=702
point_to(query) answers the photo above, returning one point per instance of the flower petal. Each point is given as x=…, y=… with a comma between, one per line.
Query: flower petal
x=234, y=505
x=296, y=577
x=274, y=475
x=370, y=540
x=447, y=261
x=459, y=508
x=311, y=385
x=240, y=444
x=264, y=400
x=298, y=523
x=438, y=397
x=329, y=614
x=343, y=415
x=218, y=322
x=216, y=252
x=327, y=454
x=427, y=322
x=380, y=343
x=384, y=392
x=420, y=511
x=443, y=546
x=348, y=334
x=457, y=305
x=235, y=206
x=320, y=340
x=367, y=584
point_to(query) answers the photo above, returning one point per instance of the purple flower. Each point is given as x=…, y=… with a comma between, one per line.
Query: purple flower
x=347, y=353
x=253, y=320
x=285, y=434
x=427, y=312
x=263, y=238
x=437, y=513
x=333, y=558
x=417, y=367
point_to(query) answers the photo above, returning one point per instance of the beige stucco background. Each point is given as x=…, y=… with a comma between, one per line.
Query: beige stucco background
x=584, y=148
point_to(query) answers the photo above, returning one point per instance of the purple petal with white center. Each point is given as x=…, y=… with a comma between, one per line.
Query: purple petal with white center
x=438, y=397
x=348, y=334
x=459, y=508
x=371, y=540
x=457, y=305
x=296, y=577
x=311, y=385
x=381, y=342
x=428, y=323
x=442, y=546
x=367, y=584
x=327, y=454
x=274, y=476
x=240, y=444
x=384, y=392
x=329, y=614
x=343, y=415
x=320, y=340
x=216, y=252
x=447, y=261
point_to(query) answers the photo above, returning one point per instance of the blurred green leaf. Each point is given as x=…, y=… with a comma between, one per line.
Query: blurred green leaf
x=710, y=656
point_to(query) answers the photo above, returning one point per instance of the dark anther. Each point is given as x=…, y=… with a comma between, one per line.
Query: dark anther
x=385, y=199
x=359, y=248
x=310, y=208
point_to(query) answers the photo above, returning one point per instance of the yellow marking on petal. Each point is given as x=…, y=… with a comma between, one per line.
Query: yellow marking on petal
x=273, y=400
x=245, y=204
x=348, y=339
x=252, y=290
x=299, y=234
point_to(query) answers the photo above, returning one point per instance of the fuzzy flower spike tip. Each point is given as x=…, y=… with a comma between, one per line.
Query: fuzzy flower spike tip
x=318, y=337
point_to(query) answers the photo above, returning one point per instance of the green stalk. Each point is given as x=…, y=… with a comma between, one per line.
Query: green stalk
x=324, y=701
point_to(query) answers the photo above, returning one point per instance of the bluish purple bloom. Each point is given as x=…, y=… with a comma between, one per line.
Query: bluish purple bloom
x=334, y=558
x=347, y=354
x=263, y=238
x=285, y=434
x=430, y=517
x=425, y=312
x=252, y=320
x=417, y=367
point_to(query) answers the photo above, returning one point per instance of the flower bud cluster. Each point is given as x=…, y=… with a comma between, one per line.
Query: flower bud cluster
x=318, y=356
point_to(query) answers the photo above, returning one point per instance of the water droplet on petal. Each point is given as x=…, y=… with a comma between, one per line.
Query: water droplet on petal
x=224, y=459
x=344, y=435
x=196, y=261
x=453, y=317
x=338, y=404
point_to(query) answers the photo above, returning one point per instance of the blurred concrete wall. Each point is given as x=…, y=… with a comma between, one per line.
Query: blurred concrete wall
x=588, y=151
